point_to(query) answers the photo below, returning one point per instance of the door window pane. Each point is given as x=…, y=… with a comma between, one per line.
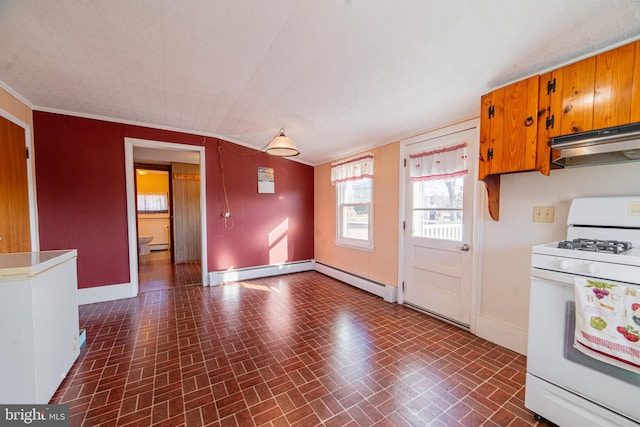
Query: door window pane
x=437, y=208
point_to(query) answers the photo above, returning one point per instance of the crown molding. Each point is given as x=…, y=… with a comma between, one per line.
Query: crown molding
x=16, y=95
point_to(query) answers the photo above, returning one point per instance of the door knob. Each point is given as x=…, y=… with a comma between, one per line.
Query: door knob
x=465, y=247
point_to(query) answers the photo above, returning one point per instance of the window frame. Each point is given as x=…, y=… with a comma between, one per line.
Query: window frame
x=348, y=242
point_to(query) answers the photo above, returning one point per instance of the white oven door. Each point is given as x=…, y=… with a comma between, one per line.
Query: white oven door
x=563, y=384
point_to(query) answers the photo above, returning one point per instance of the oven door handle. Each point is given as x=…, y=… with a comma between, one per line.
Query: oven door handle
x=552, y=276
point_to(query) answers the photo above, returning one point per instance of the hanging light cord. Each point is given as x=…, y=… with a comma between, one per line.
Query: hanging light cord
x=228, y=221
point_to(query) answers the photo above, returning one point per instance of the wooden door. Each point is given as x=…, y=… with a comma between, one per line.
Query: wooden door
x=492, y=104
x=520, y=126
x=578, y=84
x=187, y=238
x=614, y=79
x=508, y=129
x=635, y=92
x=15, y=231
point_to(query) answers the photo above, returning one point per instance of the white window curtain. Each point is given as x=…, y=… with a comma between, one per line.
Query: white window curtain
x=356, y=167
x=153, y=202
x=438, y=163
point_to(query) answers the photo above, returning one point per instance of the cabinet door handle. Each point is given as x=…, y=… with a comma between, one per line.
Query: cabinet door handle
x=528, y=121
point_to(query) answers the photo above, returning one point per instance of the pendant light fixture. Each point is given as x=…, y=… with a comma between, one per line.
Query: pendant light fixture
x=282, y=146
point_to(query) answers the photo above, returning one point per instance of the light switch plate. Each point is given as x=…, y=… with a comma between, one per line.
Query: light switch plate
x=543, y=213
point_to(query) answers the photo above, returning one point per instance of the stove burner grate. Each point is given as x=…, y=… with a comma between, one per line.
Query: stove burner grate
x=593, y=245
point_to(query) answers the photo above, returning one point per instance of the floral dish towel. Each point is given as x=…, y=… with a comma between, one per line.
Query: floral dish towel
x=608, y=322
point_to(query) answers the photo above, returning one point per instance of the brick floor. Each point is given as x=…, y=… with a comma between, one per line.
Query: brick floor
x=155, y=271
x=301, y=350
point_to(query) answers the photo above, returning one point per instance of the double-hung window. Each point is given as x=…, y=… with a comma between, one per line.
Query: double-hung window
x=353, y=179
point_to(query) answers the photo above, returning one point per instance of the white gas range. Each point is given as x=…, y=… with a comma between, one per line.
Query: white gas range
x=565, y=385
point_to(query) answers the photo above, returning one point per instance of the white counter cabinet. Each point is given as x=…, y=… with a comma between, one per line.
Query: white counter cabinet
x=39, y=325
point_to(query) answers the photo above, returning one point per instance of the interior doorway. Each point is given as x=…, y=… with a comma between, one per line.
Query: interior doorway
x=156, y=211
x=165, y=191
x=153, y=208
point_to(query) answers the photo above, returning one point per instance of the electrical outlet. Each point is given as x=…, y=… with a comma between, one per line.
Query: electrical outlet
x=543, y=213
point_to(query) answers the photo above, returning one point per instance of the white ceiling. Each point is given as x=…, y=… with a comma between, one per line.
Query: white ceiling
x=339, y=75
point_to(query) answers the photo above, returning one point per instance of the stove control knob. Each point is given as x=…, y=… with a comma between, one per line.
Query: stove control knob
x=593, y=268
x=563, y=265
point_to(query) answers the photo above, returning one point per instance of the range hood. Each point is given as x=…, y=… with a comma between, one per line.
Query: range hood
x=611, y=145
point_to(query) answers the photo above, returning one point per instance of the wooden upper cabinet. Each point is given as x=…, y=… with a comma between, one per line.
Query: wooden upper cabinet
x=595, y=93
x=508, y=135
x=614, y=81
x=517, y=122
x=508, y=128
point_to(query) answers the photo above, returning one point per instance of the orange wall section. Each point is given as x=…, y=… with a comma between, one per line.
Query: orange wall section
x=381, y=265
x=15, y=107
x=153, y=182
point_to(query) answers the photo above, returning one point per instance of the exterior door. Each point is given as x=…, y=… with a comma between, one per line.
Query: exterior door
x=15, y=232
x=439, y=211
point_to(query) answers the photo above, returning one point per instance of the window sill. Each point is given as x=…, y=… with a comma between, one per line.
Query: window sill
x=141, y=215
x=354, y=245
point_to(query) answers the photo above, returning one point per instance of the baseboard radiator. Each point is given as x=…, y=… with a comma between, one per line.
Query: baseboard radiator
x=219, y=277
x=387, y=292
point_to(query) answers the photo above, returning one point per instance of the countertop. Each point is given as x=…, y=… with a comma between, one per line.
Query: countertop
x=26, y=264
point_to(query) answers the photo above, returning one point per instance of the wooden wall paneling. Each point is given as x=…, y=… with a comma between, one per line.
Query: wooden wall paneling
x=187, y=234
x=15, y=231
x=613, y=87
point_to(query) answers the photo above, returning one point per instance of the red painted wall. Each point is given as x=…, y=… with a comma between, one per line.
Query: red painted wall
x=264, y=224
x=80, y=185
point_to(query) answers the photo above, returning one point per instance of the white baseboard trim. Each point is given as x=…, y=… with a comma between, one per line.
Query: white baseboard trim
x=502, y=333
x=218, y=277
x=388, y=292
x=113, y=292
x=104, y=293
